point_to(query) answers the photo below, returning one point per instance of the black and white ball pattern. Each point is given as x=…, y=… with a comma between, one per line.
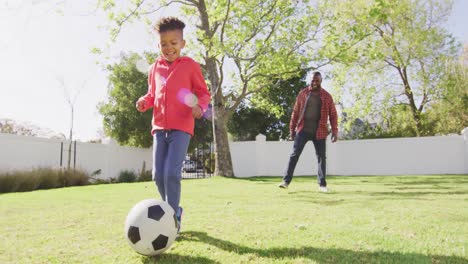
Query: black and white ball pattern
x=151, y=227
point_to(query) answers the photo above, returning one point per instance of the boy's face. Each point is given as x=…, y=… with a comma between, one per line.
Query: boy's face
x=171, y=43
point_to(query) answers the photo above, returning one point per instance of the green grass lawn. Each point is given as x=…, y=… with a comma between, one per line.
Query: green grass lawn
x=404, y=219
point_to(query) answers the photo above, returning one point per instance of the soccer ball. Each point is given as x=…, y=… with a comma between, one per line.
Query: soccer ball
x=151, y=227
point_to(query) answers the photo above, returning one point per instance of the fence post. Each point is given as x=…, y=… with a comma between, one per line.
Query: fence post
x=61, y=154
x=74, y=156
x=465, y=138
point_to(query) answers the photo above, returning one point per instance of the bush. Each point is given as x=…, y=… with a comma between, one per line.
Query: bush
x=49, y=178
x=126, y=176
x=101, y=181
x=74, y=178
x=145, y=176
x=41, y=179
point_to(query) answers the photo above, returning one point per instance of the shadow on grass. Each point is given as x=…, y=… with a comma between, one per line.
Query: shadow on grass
x=173, y=258
x=370, y=195
x=384, y=180
x=411, y=188
x=415, y=194
x=262, y=179
x=320, y=255
x=428, y=180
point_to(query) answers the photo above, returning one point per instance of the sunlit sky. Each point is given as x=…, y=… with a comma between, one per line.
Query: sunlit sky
x=45, y=59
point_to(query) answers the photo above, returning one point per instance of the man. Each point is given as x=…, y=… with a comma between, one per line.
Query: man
x=313, y=107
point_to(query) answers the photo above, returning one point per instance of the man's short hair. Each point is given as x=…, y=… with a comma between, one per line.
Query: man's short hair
x=317, y=74
x=169, y=23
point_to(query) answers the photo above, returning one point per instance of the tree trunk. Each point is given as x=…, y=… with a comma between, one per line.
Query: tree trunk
x=223, y=159
x=223, y=162
x=409, y=94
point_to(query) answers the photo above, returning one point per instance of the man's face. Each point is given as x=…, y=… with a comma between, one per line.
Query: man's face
x=316, y=81
x=170, y=44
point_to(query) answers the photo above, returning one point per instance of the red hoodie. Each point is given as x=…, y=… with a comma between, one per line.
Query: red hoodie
x=172, y=91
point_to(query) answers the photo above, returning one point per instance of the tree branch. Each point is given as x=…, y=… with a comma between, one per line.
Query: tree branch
x=221, y=74
x=132, y=13
x=221, y=35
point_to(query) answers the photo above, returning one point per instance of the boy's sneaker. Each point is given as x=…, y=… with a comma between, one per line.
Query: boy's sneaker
x=283, y=185
x=323, y=189
x=179, y=218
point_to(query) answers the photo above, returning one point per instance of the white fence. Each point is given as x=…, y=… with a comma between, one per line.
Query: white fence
x=22, y=153
x=399, y=156
x=426, y=155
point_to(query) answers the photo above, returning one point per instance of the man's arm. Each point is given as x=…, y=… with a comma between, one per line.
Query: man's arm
x=333, y=116
x=294, y=117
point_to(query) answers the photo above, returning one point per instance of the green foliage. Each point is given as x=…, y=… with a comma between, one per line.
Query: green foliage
x=395, y=63
x=269, y=112
x=121, y=119
x=127, y=176
x=262, y=39
x=144, y=174
x=450, y=114
x=247, y=122
x=40, y=179
x=253, y=39
x=203, y=134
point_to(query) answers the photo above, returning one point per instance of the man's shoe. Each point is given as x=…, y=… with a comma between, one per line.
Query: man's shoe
x=323, y=189
x=283, y=185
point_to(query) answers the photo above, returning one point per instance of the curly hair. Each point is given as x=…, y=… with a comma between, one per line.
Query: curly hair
x=169, y=23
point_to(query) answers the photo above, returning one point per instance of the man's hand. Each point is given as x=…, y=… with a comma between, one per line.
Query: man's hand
x=334, y=138
x=197, y=112
x=293, y=135
x=140, y=105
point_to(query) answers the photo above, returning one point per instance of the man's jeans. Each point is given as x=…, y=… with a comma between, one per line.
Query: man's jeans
x=299, y=143
x=169, y=151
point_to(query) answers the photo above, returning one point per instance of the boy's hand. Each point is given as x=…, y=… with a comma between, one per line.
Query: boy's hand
x=140, y=105
x=197, y=112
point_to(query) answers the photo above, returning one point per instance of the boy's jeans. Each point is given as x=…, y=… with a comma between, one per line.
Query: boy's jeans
x=299, y=144
x=169, y=150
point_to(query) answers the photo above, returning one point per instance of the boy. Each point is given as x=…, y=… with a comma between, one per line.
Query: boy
x=177, y=92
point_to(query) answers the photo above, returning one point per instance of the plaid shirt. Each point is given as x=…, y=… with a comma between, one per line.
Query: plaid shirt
x=327, y=111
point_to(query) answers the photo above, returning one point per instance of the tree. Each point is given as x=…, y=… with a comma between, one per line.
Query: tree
x=9, y=126
x=247, y=122
x=261, y=40
x=121, y=120
x=203, y=133
x=71, y=100
x=398, y=65
x=268, y=112
x=450, y=113
x=279, y=100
